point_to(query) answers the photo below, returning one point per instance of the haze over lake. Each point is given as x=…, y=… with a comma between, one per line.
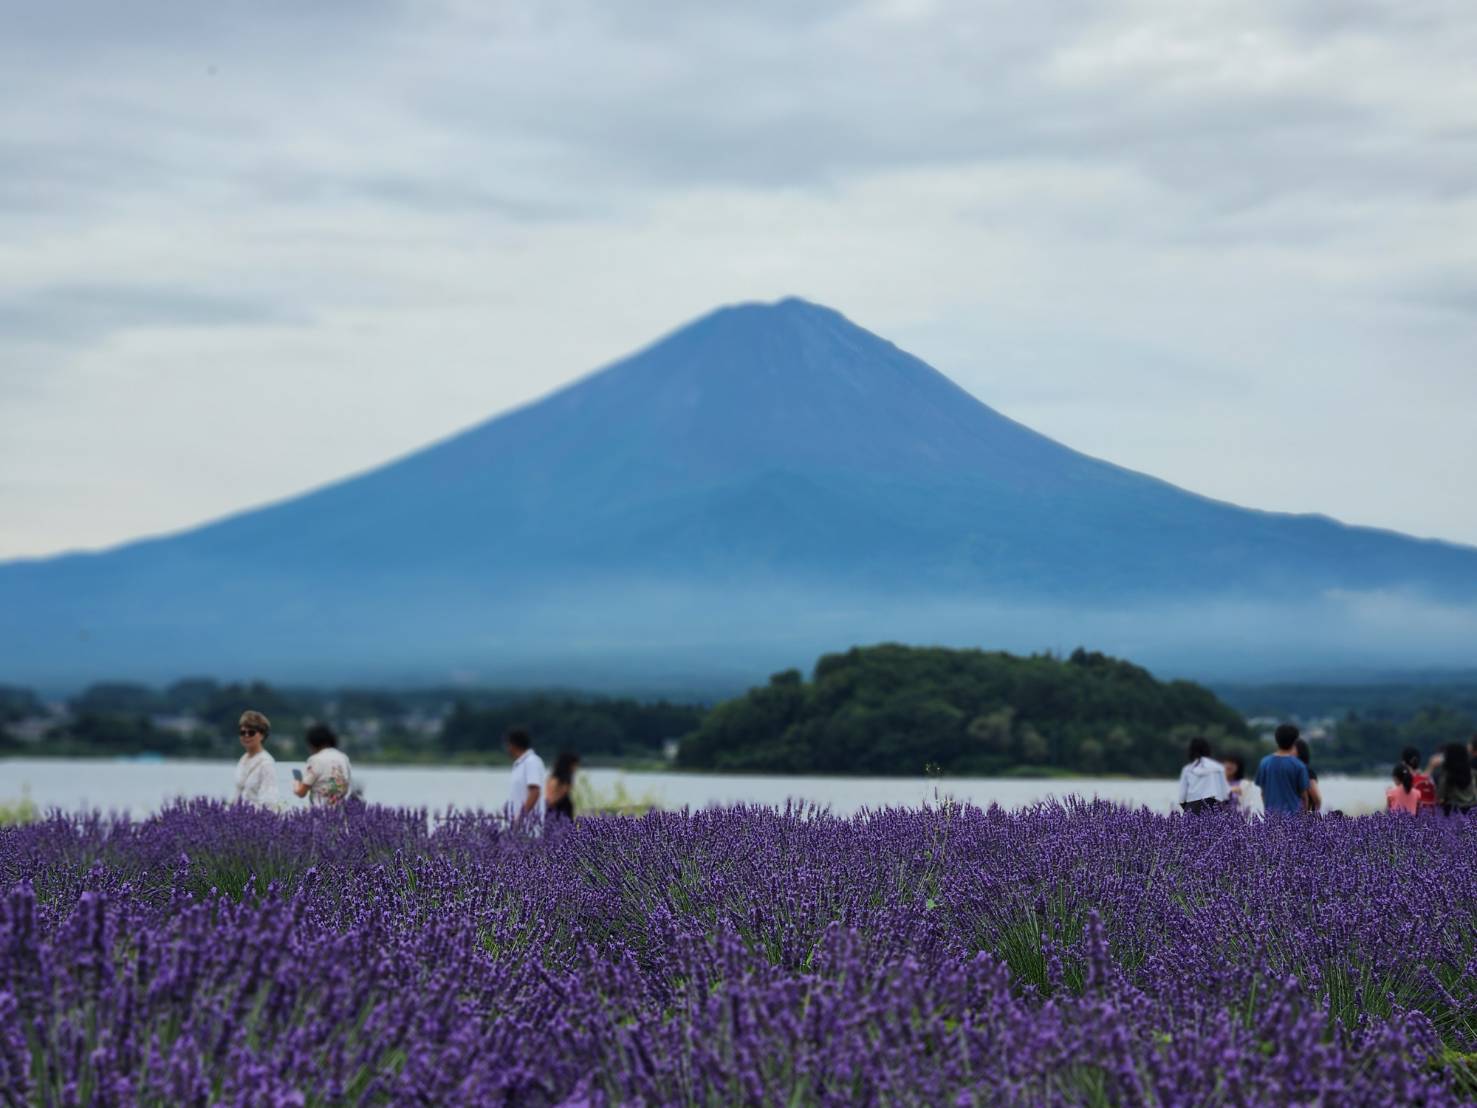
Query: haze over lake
x=143, y=787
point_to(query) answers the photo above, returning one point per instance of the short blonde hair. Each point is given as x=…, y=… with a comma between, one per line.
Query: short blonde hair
x=255, y=719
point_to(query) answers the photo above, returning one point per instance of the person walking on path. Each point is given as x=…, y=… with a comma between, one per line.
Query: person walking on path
x=328, y=776
x=526, y=785
x=1281, y=776
x=256, y=772
x=1203, y=780
x=1454, y=788
x=1425, y=788
x=1403, y=796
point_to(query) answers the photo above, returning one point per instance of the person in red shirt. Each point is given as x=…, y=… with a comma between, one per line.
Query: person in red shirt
x=1422, y=783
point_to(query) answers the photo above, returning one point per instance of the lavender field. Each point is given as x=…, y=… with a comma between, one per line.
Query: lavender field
x=946, y=955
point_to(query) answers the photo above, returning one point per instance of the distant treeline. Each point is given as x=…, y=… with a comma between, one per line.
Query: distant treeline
x=1393, y=701
x=1371, y=722
x=1373, y=744
x=607, y=727
x=896, y=709
x=872, y=710
x=197, y=718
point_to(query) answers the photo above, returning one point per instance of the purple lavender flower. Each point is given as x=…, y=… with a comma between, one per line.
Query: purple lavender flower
x=1065, y=954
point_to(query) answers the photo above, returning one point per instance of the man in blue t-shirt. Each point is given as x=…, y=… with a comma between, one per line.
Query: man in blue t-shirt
x=1282, y=777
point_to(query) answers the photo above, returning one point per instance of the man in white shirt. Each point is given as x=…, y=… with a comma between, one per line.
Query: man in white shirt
x=526, y=794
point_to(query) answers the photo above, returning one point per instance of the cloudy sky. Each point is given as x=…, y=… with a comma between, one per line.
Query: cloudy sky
x=248, y=248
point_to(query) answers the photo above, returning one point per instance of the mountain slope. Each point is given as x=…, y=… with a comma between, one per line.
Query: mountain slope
x=764, y=451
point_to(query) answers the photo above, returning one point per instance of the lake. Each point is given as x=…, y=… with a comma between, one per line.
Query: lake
x=142, y=787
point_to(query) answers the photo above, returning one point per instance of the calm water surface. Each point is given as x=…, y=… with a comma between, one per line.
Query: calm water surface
x=140, y=787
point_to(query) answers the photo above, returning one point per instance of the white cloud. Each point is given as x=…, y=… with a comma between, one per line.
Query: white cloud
x=244, y=251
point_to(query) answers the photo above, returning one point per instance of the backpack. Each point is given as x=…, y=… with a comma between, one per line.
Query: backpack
x=1426, y=788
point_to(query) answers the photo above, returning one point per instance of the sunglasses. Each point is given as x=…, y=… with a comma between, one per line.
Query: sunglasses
x=248, y=731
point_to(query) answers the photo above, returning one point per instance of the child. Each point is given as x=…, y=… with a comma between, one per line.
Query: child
x=1402, y=796
x=1236, y=779
x=1203, y=780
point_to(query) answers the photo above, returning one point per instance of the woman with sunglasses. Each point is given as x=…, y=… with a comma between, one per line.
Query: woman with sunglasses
x=256, y=772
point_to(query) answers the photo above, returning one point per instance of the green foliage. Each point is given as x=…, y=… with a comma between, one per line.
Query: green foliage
x=288, y=709
x=589, y=726
x=23, y=810
x=1386, y=700
x=116, y=698
x=18, y=703
x=1462, y=1068
x=196, y=717
x=617, y=800
x=892, y=709
x=1373, y=721
x=119, y=733
x=1375, y=743
x=191, y=695
x=9, y=743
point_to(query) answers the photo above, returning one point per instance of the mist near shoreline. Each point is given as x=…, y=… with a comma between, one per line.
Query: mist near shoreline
x=642, y=638
x=760, y=631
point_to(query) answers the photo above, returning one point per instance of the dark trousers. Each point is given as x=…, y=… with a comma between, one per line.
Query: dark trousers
x=1196, y=807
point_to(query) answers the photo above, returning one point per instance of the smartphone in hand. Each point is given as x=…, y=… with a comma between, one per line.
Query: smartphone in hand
x=297, y=775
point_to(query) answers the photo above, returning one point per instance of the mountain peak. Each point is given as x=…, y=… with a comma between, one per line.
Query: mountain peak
x=782, y=376
x=799, y=307
x=790, y=315
x=784, y=305
x=771, y=470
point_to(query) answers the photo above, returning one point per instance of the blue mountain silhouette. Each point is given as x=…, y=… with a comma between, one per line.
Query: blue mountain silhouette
x=750, y=475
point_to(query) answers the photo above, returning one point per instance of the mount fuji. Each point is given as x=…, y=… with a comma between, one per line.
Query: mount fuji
x=768, y=481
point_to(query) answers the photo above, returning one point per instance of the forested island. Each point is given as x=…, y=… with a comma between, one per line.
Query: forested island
x=896, y=709
x=886, y=709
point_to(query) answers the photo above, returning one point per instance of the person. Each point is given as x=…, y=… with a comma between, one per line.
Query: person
x=256, y=772
x=1402, y=796
x=1305, y=755
x=1425, y=788
x=1433, y=766
x=1454, y=789
x=526, y=792
x=327, y=777
x=559, y=789
x=1203, y=780
x=1235, y=767
x=1281, y=776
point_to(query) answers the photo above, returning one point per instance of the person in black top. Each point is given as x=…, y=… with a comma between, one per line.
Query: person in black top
x=1305, y=755
x=560, y=787
x=1456, y=787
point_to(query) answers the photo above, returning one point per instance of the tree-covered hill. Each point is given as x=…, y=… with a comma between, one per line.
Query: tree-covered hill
x=894, y=709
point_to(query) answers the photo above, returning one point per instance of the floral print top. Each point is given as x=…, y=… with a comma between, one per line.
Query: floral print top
x=328, y=776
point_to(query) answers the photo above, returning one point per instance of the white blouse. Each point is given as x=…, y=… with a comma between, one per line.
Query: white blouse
x=256, y=780
x=1204, y=779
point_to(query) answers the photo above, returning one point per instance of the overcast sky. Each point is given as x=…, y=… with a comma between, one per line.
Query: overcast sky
x=249, y=248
